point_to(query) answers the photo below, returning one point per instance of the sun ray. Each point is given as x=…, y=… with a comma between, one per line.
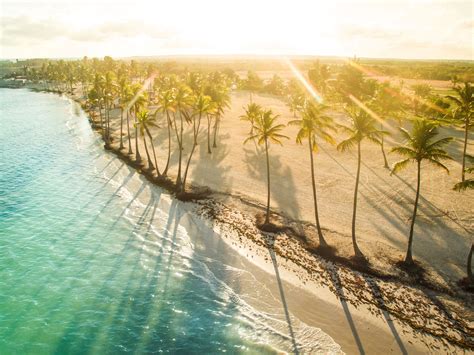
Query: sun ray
x=310, y=88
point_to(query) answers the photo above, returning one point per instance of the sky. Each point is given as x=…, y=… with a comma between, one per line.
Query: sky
x=411, y=29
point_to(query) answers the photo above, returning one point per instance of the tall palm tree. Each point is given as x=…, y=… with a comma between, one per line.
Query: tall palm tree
x=363, y=126
x=203, y=105
x=464, y=113
x=267, y=130
x=220, y=96
x=420, y=144
x=467, y=184
x=314, y=124
x=109, y=94
x=166, y=105
x=123, y=91
x=386, y=104
x=138, y=101
x=252, y=111
x=183, y=100
x=145, y=121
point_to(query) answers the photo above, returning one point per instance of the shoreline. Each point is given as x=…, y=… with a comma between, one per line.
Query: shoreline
x=233, y=215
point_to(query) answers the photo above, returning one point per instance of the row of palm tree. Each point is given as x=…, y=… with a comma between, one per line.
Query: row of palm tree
x=179, y=101
x=175, y=102
x=420, y=144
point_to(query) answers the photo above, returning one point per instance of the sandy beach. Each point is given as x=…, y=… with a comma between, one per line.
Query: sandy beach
x=236, y=175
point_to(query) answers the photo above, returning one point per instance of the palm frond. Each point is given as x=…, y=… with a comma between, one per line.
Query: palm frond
x=347, y=144
x=400, y=165
x=464, y=185
x=438, y=164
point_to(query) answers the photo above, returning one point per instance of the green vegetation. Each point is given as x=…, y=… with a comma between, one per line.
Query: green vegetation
x=178, y=96
x=266, y=130
x=420, y=145
x=362, y=126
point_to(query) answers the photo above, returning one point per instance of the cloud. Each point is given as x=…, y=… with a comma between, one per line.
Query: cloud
x=23, y=30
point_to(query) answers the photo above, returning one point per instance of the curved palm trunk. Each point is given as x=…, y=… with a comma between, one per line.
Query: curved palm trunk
x=121, y=129
x=180, y=148
x=128, y=134
x=138, y=158
x=357, y=251
x=209, y=134
x=101, y=122
x=150, y=164
x=408, y=257
x=267, y=217
x=322, y=242
x=466, y=132
x=169, y=144
x=385, y=162
x=107, y=125
x=196, y=133
x=216, y=127
x=153, y=149
x=470, y=277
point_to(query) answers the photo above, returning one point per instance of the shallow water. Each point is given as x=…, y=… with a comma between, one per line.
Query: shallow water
x=95, y=260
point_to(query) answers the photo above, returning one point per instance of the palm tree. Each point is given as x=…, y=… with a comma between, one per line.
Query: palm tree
x=109, y=91
x=252, y=111
x=203, y=105
x=363, y=126
x=183, y=100
x=386, y=103
x=123, y=95
x=463, y=113
x=138, y=101
x=145, y=121
x=313, y=124
x=266, y=129
x=220, y=96
x=467, y=183
x=420, y=144
x=166, y=104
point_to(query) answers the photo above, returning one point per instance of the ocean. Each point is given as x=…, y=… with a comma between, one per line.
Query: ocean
x=94, y=259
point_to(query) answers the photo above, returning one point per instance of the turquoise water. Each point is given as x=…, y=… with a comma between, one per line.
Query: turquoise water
x=95, y=260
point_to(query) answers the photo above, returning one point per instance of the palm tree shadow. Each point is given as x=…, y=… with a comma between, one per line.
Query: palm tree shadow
x=211, y=168
x=336, y=281
x=376, y=292
x=283, y=190
x=270, y=241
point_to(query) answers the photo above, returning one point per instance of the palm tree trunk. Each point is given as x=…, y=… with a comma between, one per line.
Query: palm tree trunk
x=128, y=134
x=466, y=132
x=150, y=164
x=216, y=126
x=209, y=134
x=408, y=257
x=322, y=242
x=153, y=149
x=180, y=155
x=267, y=217
x=101, y=122
x=169, y=143
x=196, y=133
x=137, y=152
x=469, y=265
x=385, y=162
x=121, y=129
x=357, y=251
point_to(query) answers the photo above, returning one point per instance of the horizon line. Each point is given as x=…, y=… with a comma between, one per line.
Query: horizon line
x=248, y=55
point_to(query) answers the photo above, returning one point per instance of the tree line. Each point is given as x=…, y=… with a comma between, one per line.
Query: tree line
x=198, y=100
